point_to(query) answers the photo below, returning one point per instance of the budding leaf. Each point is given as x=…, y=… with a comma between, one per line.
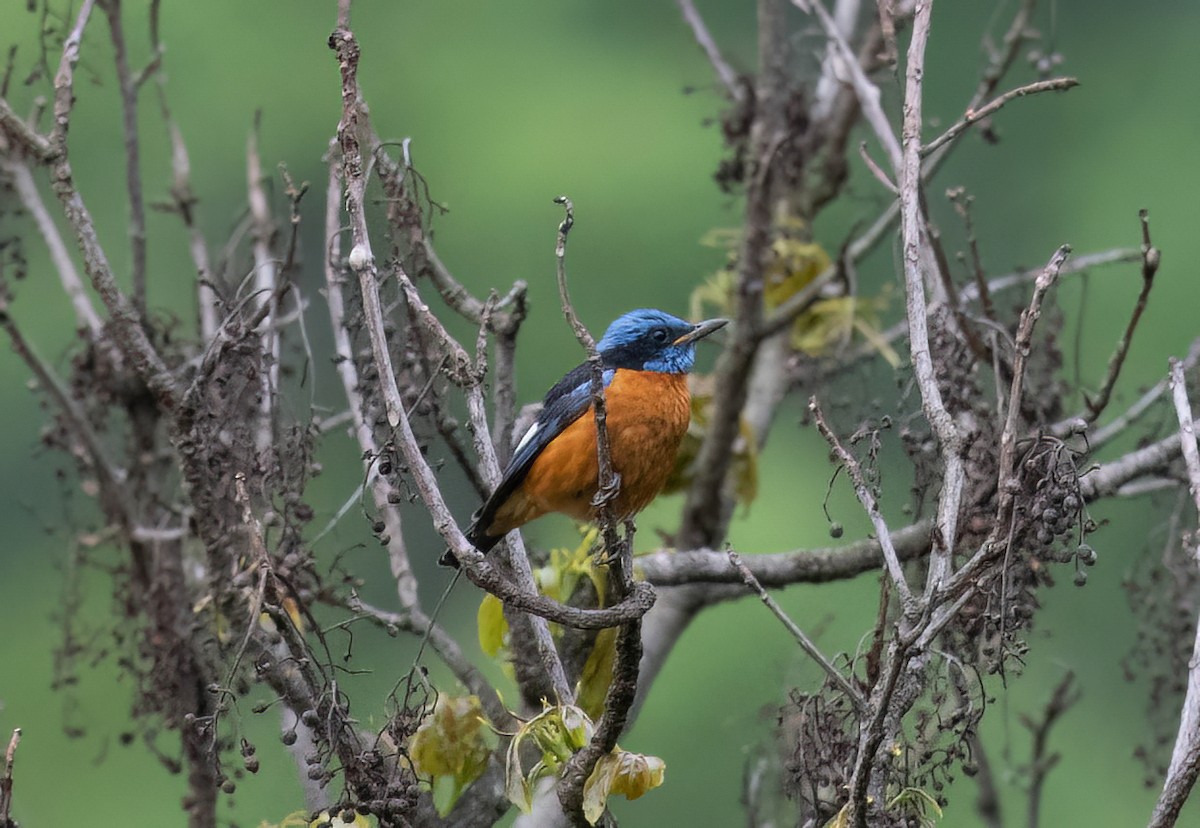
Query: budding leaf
x=557, y=732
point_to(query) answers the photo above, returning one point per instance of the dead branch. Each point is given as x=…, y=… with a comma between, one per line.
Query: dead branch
x=1185, y=758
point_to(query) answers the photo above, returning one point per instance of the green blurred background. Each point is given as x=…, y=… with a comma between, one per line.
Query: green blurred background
x=508, y=105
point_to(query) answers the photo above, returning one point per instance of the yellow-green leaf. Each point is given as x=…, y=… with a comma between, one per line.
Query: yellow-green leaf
x=793, y=265
x=450, y=742
x=299, y=819
x=597, y=673
x=493, y=627
x=620, y=772
x=714, y=296
x=831, y=323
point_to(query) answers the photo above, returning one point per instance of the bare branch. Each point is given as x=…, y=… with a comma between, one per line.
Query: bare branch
x=807, y=566
x=127, y=329
x=1185, y=758
x=406, y=583
x=1117, y=426
x=1023, y=344
x=30, y=140
x=915, y=246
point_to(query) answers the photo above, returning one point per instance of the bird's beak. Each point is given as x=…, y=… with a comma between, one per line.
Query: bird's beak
x=701, y=330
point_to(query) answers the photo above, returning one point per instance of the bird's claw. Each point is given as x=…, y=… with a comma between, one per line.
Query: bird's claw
x=607, y=493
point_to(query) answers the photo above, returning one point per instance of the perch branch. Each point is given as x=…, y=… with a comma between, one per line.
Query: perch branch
x=622, y=689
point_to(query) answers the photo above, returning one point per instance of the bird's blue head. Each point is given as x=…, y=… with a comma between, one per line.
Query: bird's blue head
x=652, y=340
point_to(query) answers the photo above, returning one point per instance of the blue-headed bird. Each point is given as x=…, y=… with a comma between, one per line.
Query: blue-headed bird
x=645, y=355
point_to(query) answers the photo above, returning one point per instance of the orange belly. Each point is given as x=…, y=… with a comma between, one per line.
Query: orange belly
x=648, y=414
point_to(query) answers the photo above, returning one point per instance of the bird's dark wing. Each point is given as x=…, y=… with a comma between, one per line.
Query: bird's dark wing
x=564, y=404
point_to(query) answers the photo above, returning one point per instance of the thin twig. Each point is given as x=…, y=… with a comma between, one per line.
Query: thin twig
x=1008, y=485
x=867, y=499
x=447, y=649
x=704, y=40
x=126, y=326
x=1064, y=697
x=110, y=476
x=802, y=639
x=185, y=204
x=361, y=258
x=974, y=116
x=267, y=285
x=1117, y=426
x=1023, y=345
x=133, y=172
x=1151, y=257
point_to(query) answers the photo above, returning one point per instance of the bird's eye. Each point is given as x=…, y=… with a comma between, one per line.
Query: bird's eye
x=660, y=335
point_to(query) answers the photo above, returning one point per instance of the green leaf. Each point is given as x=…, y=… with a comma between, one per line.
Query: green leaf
x=794, y=264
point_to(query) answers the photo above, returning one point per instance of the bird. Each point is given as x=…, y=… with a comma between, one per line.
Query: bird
x=645, y=357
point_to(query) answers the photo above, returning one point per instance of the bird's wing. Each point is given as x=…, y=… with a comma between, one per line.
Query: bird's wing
x=564, y=404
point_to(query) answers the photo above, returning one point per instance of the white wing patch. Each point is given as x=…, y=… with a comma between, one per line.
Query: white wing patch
x=528, y=436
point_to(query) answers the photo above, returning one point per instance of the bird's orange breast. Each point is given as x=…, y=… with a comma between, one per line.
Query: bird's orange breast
x=647, y=417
